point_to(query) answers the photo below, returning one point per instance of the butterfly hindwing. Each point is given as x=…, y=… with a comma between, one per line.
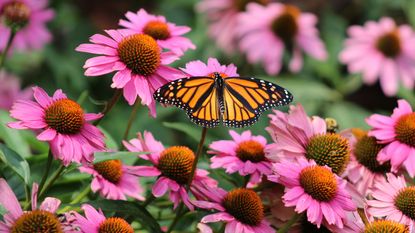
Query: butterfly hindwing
x=196, y=95
x=245, y=98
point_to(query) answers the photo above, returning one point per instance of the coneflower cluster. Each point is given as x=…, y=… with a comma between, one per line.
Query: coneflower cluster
x=305, y=175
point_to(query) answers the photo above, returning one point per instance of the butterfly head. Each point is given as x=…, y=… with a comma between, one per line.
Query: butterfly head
x=218, y=78
x=217, y=75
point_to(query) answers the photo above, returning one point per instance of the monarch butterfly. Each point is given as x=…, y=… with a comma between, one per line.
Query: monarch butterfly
x=237, y=101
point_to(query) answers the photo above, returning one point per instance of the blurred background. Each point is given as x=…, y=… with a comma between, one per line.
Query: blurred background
x=324, y=88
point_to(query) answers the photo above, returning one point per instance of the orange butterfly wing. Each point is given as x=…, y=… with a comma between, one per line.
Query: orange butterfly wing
x=198, y=96
x=245, y=98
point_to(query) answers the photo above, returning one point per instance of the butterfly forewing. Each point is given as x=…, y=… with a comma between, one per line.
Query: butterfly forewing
x=246, y=98
x=196, y=95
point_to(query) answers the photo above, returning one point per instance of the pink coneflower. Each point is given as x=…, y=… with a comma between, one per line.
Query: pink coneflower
x=62, y=122
x=138, y=61
x=223, y=17
x=364, y=169
x=314, y=189
x=31, y=17
x=241, y=209
x=42, y=219
x=115, y=180
x=95, y=222
x=396, y=132
x=10, y=91
x=172, y=166
x=198, y=68
x=393, y=200
x=267, y=31
x=296, y=135
x=381, y=50
x=168, y=35
x=244, y=154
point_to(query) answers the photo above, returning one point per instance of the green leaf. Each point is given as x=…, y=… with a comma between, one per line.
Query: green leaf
x=12, y=137
x=308, y=89
x=40, y=147
x=409, y=9
x=131, y=209
x=191, y=130
x=109, y=140
x=126, y=157
x=406, y=94
x=16, y=162
x=348, y=115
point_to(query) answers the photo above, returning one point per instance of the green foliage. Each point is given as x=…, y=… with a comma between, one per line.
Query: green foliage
x=188, y=129
x=129, y=209
x=126, y=157
x=13, y=138
x=15, y=162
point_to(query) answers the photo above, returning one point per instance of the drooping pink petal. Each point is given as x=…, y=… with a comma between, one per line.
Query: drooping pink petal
x=221, y=216
x=9, y=201
x=160, y=187
x=50, y=204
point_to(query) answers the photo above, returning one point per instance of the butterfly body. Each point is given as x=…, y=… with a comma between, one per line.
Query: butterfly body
x=236, y=101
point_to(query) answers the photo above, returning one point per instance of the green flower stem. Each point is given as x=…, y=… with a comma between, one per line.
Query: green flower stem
x=130, y=121
x=198, y=152
x=78, y=199
x=27, y=193
x=44, y=178
x=362, y=215
x=287, y=226
x=81, y=195
x=179, y=214
x=109, y=105
x=149, y=200
x=6, y=50
x=46, y=174
x=52, y=180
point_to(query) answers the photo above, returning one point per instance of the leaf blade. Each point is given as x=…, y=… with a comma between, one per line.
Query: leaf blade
x=16, y=162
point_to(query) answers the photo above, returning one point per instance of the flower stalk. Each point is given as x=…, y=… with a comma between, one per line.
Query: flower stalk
x=52, y=180
x=198, y=152
x=47, y=169
x=6, y=50
x=130, y=120
x=110, y=104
